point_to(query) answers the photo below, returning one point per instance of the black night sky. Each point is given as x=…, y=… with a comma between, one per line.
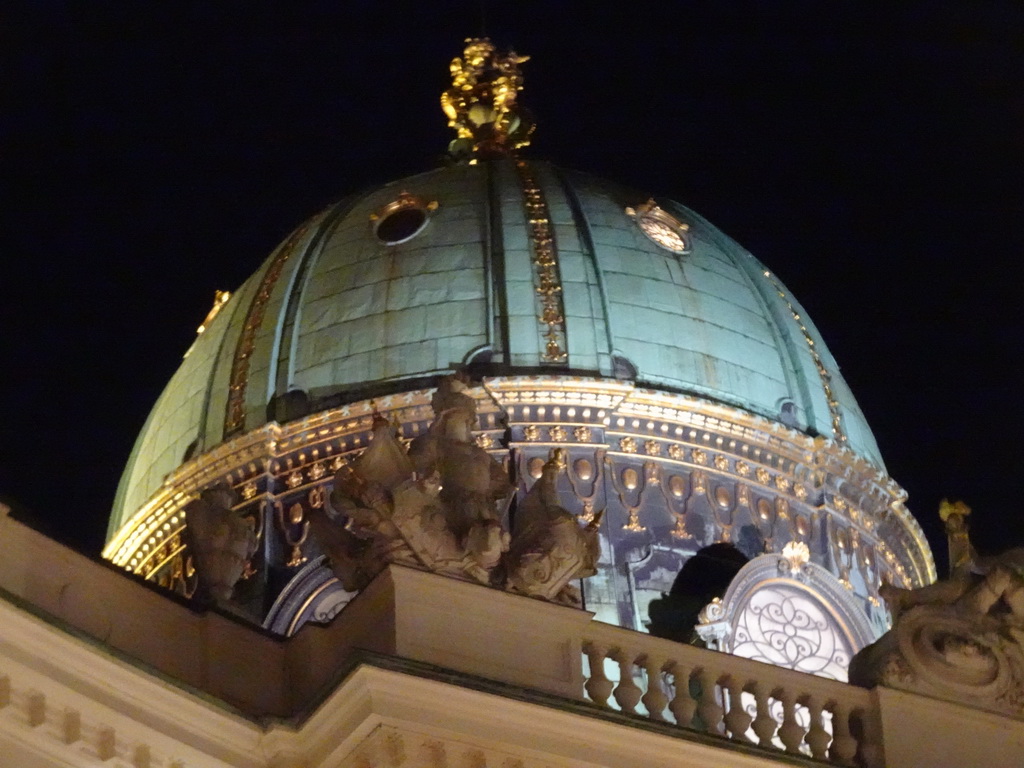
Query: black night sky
x=871, y=154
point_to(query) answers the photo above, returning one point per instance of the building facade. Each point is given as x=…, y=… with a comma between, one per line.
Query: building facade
x=573, y=391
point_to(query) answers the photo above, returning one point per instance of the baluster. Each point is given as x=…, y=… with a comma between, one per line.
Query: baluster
x=817, y=737
x=791, y=732
x=598, y=686
x=627, y=692
x=844, y=745
x=870, y=747
x=682, y=705
x=655, y=699
x=708, y=708
x=736, y=719
x=764, y=724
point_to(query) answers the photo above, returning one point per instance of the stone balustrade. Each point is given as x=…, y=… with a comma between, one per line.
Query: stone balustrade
x=471, y=638
x=736, y=698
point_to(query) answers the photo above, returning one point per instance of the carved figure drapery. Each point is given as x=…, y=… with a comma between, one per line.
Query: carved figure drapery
x=221, y=541
x=440, y=506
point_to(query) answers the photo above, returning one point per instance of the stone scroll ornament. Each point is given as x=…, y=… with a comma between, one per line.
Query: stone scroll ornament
x=439, y=507
x=220, y=540
x=960, y=639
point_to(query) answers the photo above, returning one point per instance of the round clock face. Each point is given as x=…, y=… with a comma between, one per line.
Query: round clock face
x=662, y=233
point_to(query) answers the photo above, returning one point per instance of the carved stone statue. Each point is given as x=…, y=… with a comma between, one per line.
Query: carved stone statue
x=549, y=548
x=960, y=639
x=474, y=487
x=221, y=541
x=386, y=513
x=440, y=507
x=976, y=583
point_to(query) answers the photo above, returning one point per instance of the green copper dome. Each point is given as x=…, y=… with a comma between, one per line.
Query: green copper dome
x=446, y=269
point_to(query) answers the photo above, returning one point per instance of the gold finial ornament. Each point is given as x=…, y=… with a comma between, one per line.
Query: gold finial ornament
x=220, y=298
x=962, y=554
x=947, y=508
x=481, y=104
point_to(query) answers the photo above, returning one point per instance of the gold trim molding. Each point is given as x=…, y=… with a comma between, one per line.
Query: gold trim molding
x=663, y=438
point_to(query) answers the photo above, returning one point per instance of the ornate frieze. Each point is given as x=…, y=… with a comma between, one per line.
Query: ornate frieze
x=665, y=468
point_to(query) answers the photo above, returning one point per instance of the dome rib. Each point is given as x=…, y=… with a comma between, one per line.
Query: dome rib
x=289, y=316
x=582, y=226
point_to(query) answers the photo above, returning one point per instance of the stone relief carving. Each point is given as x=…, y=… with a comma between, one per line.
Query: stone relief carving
x=220, y=540
x=440, y=506
x=960, y=639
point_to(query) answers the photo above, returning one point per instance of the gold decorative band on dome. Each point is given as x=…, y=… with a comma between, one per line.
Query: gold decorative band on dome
x=547, y=281
x=826, y=378
x=661, y=454
x=234, y=416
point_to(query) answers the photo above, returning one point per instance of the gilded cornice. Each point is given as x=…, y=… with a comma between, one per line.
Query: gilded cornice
x=662, y=437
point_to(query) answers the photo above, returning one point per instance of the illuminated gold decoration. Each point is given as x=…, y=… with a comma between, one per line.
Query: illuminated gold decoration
x=295, y=518
x=587, y=516
x=826, y=378
x=316, y=497
x=679, y=531
x=633, y=522
x=948, y=508
x=743, y=495
x=535, y=467
x=234, y=418
x=782, y=508
x=652, y=447
x=532, y=432
x=652, y=473
x=699, y=456
x=484, y=440
x=661, y=227
x=294, y=479
x=796, y=554
x=583, y=434
x=782, y=483
x=265, y=457
x=249, y=490
x=713, y=611
x=800, y=492
x=481, y=104
x=721, y=463
x=402, y=219
x=677, y=486
x=547, y=282
x=558, y=433
x=220, y=298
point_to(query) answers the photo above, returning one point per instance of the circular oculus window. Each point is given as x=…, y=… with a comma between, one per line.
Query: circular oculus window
x=661, y=227
x=401, y=220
